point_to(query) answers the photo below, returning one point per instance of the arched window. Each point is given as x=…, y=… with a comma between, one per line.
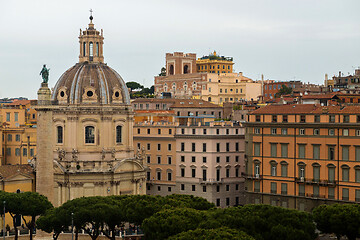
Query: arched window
x=186, y=69
x=91, y=54
x=97, y=49
x=273, y=168
x=118, y=134
x=84, y=49
x=171, y=70
x=89, y=134
x=59, y=134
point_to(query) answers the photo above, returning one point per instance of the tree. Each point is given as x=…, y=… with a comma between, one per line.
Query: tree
x=188, y=201
x=170, y=222
x=163, y=72
x=222, y=233
x=340, y=219
x=264, y=222
x=284, y=90
x=134, y=85
x=32, y=204
x=55, y=220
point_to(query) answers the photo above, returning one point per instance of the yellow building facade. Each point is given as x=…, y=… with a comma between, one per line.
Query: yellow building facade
x=215, y=64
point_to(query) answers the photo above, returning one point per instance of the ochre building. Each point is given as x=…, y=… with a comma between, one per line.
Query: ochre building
x=303, y=155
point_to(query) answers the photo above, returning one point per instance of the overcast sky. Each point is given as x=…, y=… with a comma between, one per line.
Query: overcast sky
x=282, y=39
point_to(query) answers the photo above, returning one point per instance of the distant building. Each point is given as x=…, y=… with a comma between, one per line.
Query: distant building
x=350, y=83
x=209, y=78
x=214, y=63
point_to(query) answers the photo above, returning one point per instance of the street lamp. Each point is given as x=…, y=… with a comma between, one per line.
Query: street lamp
x=72, y=226
x=4, y=229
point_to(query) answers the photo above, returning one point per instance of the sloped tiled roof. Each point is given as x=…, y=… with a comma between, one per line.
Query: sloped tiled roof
x=7, y=171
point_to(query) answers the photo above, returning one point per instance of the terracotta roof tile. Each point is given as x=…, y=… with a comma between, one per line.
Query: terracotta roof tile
x=7, y=171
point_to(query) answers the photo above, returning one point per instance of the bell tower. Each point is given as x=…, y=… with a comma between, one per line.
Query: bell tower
x=91, y=44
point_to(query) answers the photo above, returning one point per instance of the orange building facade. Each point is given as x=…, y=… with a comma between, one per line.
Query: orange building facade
x=300, y=156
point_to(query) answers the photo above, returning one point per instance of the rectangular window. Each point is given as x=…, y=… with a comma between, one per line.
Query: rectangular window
x=237, y=146
x=357, y=175
x=228, y=147
x=204, y=175
x=357, y=153
x=9, y=137
x=316, y=173
x=301, y=190
x=193, y=147
x=346, y=132
x=217, y=159
x=218, y=202
x=284, y=188
x=148, y=131
x=331, y=153
x=302, y=118
x=193, y=188
x=204, y=159
x=17, y=151
x=159, y=159
x=331, y=118
x=193, y=172
x=284, y=150
x=159, y=131
x=17, y=137
x=316, y=152
x=331, y=132
x=256, y=186
x=331, y=193
x=302, y=131
x=285, y=118
x=257, y=130
x=257, y=118
x=217, y=147
x=284, y=170
x=256, y=149
x=148, y=159
x=301, y=148
x=8, y=117
x=345, y=194
x=345, y=153
x=24, y=151
x=273, y=131
x=217, y=174
x=316, y=131
x=236, y=158
x=182, y=172
x=357, y=195
x=316, y=191
x=204, y=147
x=345, y=174
x=159, y=147
x=331, y=173
x=274, y=118
x=273, y=187
x=182, y=158
x=169, y=176
x=169, y=147
x=32, y=152
x=158, y=175
x=182, y=146
x=193, y=159
x=148, y=146
x=273, y=149
x=284, y=131
x=317, y=118
x=169, y=160
x=227, y=172
x=204, y=188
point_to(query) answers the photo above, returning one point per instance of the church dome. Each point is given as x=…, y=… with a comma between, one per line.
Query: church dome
x=91, y=81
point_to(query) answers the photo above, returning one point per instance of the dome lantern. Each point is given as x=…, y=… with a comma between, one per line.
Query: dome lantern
x=91, y=44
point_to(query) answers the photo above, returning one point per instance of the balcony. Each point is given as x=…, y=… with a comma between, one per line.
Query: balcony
x=211, y=181
x=252, y=176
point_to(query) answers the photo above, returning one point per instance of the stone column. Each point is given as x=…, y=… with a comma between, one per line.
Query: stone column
x=44, y=158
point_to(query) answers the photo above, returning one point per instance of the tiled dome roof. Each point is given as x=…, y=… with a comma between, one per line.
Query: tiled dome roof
x=91, y=83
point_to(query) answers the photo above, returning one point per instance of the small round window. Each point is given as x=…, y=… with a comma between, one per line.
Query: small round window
x=89, y=93
x=62, y=94
x=117, y=94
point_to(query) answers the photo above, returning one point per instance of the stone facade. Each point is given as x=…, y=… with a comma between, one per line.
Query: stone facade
x=210, y=159
x=85, y=138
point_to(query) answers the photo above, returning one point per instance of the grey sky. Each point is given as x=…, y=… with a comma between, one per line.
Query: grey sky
x=282, y=39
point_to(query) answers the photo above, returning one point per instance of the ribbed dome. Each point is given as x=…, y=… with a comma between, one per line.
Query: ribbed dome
x=91, y=83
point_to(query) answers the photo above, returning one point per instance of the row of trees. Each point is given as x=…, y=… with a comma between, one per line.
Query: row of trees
x=143, y=93
x=178, y=217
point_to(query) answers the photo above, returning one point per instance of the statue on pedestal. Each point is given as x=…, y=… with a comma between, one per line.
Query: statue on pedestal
x=45, y=74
